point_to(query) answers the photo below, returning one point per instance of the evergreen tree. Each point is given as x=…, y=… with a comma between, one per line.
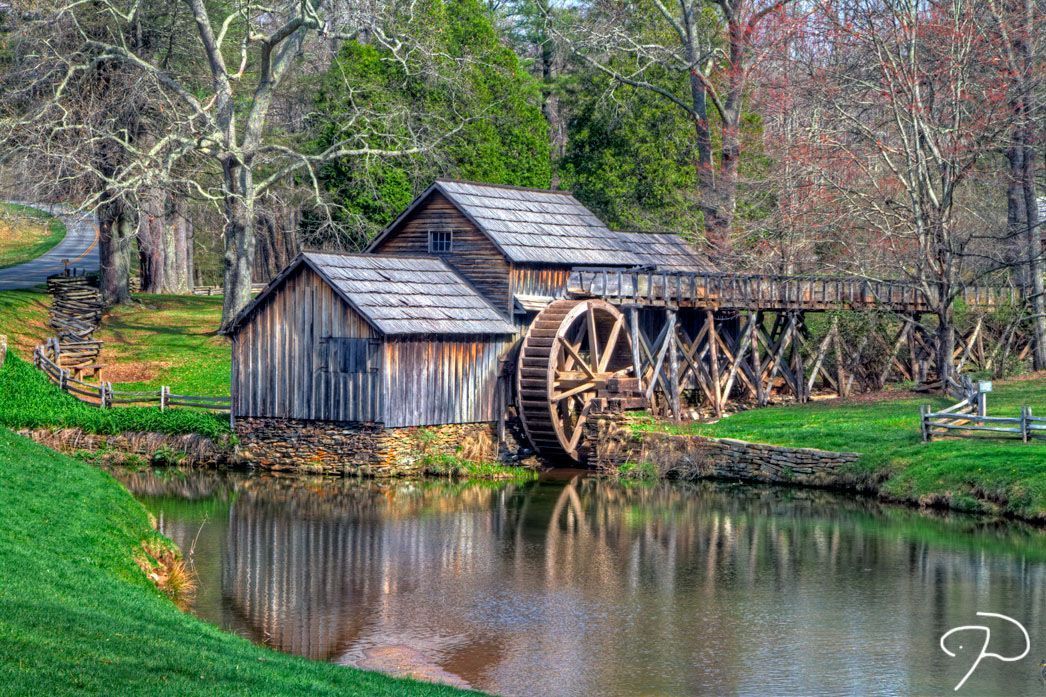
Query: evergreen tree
x=474, y=81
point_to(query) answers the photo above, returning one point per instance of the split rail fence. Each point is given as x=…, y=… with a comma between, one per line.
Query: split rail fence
x=969, y=417
x=47, y=358
x=72, y=355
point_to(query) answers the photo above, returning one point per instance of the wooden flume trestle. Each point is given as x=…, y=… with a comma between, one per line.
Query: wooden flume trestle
x=681, y=344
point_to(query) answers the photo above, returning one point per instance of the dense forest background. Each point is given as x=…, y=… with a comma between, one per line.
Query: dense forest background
x=215, y=139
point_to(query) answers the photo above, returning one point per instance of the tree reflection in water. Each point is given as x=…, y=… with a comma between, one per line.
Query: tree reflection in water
x=585, y=586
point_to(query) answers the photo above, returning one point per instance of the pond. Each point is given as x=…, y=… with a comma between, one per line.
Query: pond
x=573, y=585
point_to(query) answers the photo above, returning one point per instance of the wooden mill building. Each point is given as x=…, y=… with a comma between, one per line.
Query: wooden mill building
x=423, y=328
x=400, y=341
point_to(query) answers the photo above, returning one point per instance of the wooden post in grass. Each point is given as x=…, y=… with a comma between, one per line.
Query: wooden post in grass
x=924, y=421
x=3, y=349
x=1025, y=423
x=165, y=393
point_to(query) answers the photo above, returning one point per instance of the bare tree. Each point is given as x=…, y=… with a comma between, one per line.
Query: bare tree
x=1016, y=25
x=708, y=47
x=910, y=109
x=220, y=100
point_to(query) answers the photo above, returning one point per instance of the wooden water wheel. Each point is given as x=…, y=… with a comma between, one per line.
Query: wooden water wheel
x=573, y=351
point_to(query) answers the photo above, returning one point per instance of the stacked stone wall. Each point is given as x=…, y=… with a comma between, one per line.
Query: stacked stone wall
x=611, y=443
x=358, y=449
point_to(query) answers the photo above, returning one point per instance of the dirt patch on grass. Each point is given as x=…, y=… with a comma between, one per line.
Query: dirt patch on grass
x=131, y=371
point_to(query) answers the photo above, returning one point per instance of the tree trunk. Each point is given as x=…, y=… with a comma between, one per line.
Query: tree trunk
x=239, y=240
x=183, y=248
x=1034, y=250
x=152, y=245
x=277, y=235
x=716, y=220
x=164, y=244
x=550, y=107
x=945, y=346
x=115, y=229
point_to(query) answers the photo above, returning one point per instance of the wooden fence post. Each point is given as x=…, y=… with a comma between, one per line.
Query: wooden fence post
x=924, y=421
x=165, y=393
x=3, y=349
x=107, y=395
x=62, y=377
x=1025, y=423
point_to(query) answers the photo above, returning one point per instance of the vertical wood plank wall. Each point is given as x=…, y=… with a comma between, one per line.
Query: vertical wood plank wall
x=277, y=356
x=473, y=255
x=527, y=279
x=441, y=381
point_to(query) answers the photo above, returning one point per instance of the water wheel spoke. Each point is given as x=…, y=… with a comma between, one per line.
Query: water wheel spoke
x=577, y=359
x=579, y=427
x=568, y=362
x=593, y=336
x=615, y=331
x=583, y=387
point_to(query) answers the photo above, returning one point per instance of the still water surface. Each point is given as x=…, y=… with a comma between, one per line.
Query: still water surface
x=577, y=586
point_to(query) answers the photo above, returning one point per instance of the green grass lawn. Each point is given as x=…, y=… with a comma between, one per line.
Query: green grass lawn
x=167, y=340
x=29, y=400
x=23, y=318
x=159, y=340
x=971, y=474
x=26, y=233
x=79, y=616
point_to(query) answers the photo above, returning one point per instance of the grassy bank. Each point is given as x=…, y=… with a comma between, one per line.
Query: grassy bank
x=968, y=474
x=26, y=233
x=80, y=616
x=29, y=400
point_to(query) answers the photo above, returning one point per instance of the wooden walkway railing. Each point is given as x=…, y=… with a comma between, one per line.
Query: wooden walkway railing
x=46, y=357
x=709, y=290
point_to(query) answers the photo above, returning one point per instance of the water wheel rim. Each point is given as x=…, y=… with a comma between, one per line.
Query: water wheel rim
x=554, y=419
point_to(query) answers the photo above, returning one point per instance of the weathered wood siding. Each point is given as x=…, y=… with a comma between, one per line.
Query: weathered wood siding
x=532, y=279
x=284, y=365
x=473, y=255
x=432, y=380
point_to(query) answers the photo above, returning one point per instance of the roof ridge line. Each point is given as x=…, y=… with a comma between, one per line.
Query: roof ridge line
x=513, y=187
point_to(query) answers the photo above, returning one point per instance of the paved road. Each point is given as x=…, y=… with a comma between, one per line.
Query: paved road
x=80, y=247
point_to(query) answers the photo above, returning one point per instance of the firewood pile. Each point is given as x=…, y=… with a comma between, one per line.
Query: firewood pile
x=76, y=312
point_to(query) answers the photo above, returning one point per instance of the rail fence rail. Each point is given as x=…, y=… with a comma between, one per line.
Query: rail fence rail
x=135, y=286
x=764, y=291
x=970, y=415
x=47, y=358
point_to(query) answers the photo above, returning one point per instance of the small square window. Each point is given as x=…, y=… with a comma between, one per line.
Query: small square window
x=440, y=241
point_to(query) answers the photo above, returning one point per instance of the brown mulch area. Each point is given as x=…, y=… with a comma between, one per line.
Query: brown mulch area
x=133, y=371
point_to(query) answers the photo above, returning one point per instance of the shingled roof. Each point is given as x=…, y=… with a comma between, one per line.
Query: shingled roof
x=667, y=251
x=531, y=225
x=399, y=295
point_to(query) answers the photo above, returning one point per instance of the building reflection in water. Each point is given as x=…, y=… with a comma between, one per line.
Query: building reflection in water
x=590, y=587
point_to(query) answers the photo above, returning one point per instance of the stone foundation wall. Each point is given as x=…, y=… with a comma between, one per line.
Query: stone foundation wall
x=357, y=449
x=611, y=443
